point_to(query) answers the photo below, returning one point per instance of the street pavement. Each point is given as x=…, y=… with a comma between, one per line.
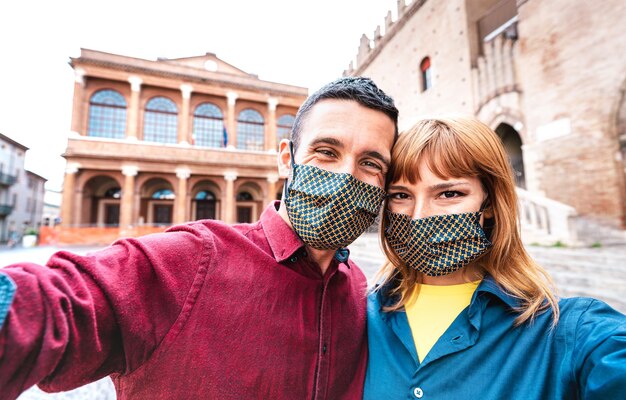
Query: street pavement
x=593, y=272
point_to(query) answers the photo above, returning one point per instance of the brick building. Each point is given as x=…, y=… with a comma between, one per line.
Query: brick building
x=548, y=75
x=172, y=140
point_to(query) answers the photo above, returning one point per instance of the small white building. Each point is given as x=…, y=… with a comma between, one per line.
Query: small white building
x=21, y=191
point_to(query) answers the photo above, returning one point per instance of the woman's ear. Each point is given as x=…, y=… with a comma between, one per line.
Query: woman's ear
x=284, y=159
x=488, y=213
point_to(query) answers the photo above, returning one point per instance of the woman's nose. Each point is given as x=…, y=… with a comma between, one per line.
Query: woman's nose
x=420, y=210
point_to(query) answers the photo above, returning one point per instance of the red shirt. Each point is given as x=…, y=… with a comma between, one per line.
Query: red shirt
x=205, y=310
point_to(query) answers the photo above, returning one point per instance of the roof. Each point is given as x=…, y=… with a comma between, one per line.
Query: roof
x=12, y=142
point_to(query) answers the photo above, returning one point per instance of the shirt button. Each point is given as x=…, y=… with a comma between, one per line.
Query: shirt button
x=293, y=259
x=418, y=392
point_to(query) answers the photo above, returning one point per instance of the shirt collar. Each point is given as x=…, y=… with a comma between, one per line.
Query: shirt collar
x=282, y=239
x=489, y=285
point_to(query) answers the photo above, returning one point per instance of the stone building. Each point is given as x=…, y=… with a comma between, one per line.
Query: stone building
x=548, y=75
x=172, y=140
x=21, y=191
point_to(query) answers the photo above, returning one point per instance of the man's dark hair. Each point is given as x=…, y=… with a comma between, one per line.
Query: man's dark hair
x=355, y=88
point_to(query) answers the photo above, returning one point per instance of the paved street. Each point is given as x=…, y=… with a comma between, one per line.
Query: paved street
x=600, y=273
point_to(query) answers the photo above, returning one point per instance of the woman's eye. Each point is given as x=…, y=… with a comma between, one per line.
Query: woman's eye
x=398, y=196
x=451, y=194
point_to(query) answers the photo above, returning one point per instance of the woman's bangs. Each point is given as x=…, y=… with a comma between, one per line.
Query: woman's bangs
x=446, y=156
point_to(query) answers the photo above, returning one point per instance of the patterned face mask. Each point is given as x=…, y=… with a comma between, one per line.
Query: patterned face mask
x=437, y=245
x=329, y=210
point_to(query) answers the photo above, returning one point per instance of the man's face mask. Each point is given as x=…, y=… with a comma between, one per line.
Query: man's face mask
x=329, y=210
x=437, y=245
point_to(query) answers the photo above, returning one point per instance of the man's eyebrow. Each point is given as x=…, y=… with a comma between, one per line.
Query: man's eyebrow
x=447, y=185
x=326, y=140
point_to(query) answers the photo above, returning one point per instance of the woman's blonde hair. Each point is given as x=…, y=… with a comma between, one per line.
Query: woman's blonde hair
x=457, y=146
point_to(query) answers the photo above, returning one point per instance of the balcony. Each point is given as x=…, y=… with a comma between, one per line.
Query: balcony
x=5, y=210
x=6, y=179
x=105, y=154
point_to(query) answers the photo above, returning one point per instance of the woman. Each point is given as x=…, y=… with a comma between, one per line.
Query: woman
x=462, y=311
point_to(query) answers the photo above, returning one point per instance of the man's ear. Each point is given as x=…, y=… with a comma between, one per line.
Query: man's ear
x=284, y=159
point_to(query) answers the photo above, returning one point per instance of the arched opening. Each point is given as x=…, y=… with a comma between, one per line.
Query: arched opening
x=426, y=74
x=101, y=202
x=249, y=199
x=250, y=130
x=107, y=115
x=205, y=200
x=157, y=202
x=513, y=145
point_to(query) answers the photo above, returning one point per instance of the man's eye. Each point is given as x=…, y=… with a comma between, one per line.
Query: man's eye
x=371, y=164
x=325, y=152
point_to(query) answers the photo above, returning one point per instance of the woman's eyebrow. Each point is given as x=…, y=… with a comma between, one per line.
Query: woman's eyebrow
x=447, y=185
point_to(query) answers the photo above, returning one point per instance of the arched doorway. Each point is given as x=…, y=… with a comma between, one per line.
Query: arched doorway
x=513, y=145
x=101, y=202
x=249, y=198
x=205, y=200
x=157, y=202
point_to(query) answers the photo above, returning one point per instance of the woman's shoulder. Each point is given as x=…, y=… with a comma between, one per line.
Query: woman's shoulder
x=585, y=316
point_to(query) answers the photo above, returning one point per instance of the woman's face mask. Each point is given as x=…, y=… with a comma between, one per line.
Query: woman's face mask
x=435, y=224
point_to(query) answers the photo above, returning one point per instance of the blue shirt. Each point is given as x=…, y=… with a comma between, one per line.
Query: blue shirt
x=483, y=356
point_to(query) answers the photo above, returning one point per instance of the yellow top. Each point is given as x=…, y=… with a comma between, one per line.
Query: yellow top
x=434, y=310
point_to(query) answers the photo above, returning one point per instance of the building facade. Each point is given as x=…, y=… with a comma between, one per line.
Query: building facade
x=548, y=75
x=161, y=142
x=21, y=191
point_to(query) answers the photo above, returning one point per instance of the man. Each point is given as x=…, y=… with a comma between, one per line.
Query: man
x=270, y=310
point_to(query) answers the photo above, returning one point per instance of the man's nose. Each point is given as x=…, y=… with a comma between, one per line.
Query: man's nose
x=347, y=167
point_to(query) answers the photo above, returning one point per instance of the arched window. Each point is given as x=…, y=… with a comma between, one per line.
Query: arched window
x=205, y=205
x=163, y=194
x=208, y=126
x=426, y=70
x=113, y=193
x=161, y=121
x=250, y=130
x=107, y=115
x=244, y=196
x=205, y=195
x=284, y=125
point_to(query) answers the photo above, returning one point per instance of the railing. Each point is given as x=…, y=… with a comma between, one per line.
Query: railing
x=494, y=73
x=6, y=179
x=546, y=221
x=5, y=209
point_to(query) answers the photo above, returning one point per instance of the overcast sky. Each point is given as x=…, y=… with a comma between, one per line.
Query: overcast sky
x=304, y=43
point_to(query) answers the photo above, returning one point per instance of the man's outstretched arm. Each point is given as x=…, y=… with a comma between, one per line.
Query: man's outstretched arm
x=81, y=318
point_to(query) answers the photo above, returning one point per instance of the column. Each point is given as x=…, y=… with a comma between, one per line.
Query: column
x=270, y=132
x=271, y=189
x=231, y=120
x=133, y=108
x=180, y=201
x=128, y=197
x=78, y=105
x=69, y=188
x=229, y=202
x=183, y=127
